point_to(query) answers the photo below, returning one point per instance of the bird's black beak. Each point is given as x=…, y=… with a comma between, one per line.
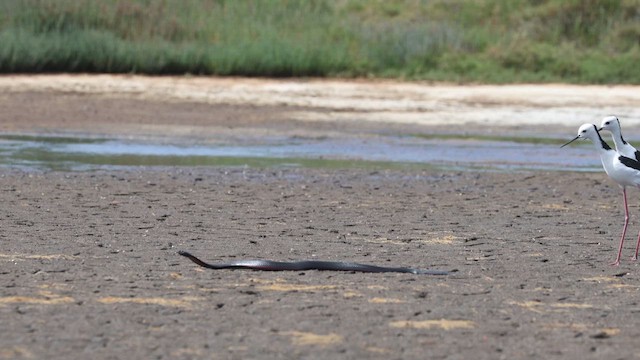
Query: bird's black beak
x=600, y=129
x=572, y=140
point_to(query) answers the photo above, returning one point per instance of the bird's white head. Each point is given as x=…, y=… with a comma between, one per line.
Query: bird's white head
x=610, y=123
x=586, y=131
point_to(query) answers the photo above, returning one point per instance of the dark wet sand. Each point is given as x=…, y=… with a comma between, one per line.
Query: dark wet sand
x=90, y=270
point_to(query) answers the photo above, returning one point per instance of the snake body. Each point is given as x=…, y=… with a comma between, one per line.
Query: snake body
x=268, y=265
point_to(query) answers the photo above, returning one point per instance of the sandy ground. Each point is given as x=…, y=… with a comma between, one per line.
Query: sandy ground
x=216, y=109
x=88, y=266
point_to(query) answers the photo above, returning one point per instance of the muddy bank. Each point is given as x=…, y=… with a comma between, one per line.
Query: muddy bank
x=217, y=109
x=90, y=270
x=89, y=265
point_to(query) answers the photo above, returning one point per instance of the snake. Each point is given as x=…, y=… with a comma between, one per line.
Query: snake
x=269, y=265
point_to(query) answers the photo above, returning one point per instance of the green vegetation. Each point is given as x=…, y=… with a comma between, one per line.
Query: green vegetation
x=498, y=41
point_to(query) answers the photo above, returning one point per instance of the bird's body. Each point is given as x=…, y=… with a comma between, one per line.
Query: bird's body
x=622, y=169
x=612, y=125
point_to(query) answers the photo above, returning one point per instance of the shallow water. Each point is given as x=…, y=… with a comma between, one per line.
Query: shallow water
x=77, y=153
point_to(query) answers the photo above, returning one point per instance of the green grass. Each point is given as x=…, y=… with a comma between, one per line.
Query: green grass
x=496, y=41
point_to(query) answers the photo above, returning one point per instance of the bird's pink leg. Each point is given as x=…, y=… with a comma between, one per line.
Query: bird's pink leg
x=635, y=256
x=624, y=229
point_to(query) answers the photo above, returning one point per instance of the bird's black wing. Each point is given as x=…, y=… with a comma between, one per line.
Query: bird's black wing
x=632, y=163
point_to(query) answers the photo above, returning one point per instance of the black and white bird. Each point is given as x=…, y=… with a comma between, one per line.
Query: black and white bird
x=622, y=169
x=612, y=125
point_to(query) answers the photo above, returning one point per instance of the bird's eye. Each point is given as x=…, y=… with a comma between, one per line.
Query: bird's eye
x=607, y=123
x=584, y=131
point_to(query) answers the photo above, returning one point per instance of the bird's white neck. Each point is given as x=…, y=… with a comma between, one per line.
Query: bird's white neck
x=600, y=144
x=616, y=134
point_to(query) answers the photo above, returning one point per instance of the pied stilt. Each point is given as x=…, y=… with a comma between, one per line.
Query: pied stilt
x=622, y=169
x=612, y=125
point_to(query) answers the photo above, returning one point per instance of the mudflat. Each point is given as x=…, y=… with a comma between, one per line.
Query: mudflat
x=89, y=265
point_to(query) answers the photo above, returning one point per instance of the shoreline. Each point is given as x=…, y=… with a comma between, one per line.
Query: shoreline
x=90, y=264
x=210, y=106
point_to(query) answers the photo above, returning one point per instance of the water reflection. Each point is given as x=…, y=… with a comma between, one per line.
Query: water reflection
x=75, y=153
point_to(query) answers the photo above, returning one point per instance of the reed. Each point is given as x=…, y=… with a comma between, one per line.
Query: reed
x=497, y=41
